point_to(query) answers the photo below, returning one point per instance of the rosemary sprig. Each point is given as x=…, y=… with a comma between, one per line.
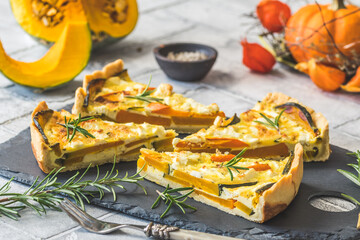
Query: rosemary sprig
x=269, y=122
x=231, y=164
x=74, y=125
x=352, y=177
x=173, y=200
x=145, y=95
x=44, y=194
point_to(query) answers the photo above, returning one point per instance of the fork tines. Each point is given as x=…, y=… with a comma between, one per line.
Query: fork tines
x=78, y=215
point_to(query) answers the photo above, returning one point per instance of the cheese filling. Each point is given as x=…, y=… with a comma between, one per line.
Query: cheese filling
x=115, y=90
x=110, y=139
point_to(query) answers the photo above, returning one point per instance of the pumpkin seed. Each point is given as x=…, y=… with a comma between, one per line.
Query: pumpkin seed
x=116, y=10
x=45, y=21
x=36, y=7
x=120, y=6
x=48, y=12
x=40, y=9
x=51, y=12
x=121, y=17
x=44, y=10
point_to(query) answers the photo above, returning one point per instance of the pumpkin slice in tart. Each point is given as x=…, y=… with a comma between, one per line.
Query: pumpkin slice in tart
x=258, y=190
x=95, y=141
x=271, y=129
x=111, y=94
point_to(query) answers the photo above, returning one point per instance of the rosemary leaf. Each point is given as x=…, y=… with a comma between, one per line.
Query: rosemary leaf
x=268, y=120
x=350, y=176
x=231, y=164
x=167, y=210
x=351, y=198
x=355, y=166
x=271, y=123
x=173, y=200
x=73, y=124
x=145, y=95
x=179, y=189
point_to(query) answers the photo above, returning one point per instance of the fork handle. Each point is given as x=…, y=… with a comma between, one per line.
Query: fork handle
x=182, y=234
x=167, y=232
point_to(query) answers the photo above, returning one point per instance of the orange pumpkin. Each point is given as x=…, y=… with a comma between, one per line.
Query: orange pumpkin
x=325, y=77
x=354, y=84
x=308, y=37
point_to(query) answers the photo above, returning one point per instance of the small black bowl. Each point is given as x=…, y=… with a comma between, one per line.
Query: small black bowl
x=185, y=71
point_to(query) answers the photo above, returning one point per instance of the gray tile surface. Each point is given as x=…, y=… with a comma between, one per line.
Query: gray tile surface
x=220, y=24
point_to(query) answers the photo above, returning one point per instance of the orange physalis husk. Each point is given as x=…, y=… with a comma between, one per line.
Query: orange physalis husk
x=354, y=84
x=256, y=57
x=325, y=77
x=302, y=67
x=273, y=14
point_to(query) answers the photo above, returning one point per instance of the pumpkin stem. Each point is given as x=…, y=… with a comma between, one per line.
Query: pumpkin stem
x=337, y=5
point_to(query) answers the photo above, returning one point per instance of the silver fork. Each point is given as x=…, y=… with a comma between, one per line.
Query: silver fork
x=151, y=230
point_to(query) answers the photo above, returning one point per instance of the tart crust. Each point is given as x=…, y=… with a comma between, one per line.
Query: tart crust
x=39, y=144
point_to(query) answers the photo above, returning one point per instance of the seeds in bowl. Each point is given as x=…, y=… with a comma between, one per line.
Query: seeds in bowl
x=187, y=56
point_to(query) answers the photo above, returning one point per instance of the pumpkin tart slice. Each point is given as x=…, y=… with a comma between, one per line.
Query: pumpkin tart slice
x=258, y=189
x=60, y=139
x=112, y=95
x=271, y=129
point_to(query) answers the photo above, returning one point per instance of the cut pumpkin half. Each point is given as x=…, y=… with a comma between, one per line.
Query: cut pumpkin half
x=108, y=20
x=64, y=60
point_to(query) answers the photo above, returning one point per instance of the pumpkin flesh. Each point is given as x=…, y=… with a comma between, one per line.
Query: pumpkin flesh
x=34, y=17
x=117, y=19
x=269, y=151
x=46, y=20
x=64, y=60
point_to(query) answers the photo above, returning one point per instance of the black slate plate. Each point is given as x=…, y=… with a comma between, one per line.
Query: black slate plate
x=300, y=220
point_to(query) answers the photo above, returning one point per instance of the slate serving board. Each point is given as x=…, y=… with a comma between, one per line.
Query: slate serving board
x=300, y=220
